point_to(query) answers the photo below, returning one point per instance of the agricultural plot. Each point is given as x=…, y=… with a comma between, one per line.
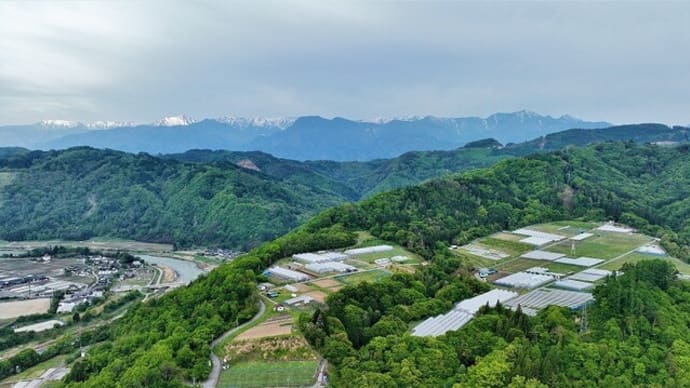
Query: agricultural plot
x=396, y=251
x=281, y=325
x=283, y=361
x=510, y=247
x=484, y=252
x=683, y=267
x=366, y=276
x=506, y=236
x=270, y=374
x=564, y=228
x=604, y=245
x=518, y=265
x=472, y=260
x=106, y=244
x=11, y=310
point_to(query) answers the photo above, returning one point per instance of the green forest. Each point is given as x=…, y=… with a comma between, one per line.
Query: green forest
x=202, y=198
x=637, y=332
x=83, y=192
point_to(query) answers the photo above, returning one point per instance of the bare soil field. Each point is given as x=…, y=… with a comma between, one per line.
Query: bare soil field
x=10, y=310
x=301, y=287
x=317, y=295
x=271, y=349
x=26, y=266
x=169, y=275
x=270, y=328
x=327, y=283
x=97, y=244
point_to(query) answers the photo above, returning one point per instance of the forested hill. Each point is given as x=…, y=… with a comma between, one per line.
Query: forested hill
x=356, y=180
x=83, y=192
x=202, y=197
x=638, y=333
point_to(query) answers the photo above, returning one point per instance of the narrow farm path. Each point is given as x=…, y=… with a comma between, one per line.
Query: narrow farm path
x=215, y=371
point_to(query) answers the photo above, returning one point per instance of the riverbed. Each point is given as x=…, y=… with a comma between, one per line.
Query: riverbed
x=186, y=270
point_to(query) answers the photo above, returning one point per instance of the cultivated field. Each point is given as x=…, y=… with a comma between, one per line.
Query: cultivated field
x=281, y=325
x=368, y=276
x=284, y=361
x=11, y=310
x=96, y=244
x=270, y=374
x=604, y=245
x=318, y=296
x=632, y=258
x=326, y=283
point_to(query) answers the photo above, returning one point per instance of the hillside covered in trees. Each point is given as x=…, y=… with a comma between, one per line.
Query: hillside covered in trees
x=84, y=192
x=638, y=333
x=203, y=197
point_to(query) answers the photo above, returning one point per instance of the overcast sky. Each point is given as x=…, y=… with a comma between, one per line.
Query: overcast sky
x=139, y=61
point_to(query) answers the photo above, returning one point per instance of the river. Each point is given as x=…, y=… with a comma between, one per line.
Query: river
x=186, y=270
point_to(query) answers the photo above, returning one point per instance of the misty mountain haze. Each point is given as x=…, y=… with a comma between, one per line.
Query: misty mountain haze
x=304, y=138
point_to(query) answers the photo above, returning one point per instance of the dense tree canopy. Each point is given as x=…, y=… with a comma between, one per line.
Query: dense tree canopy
x=637, y=333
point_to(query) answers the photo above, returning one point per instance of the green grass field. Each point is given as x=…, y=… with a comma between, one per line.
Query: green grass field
x=603, y=245
x=269, y=374
x=632, y=258
x=397, y=251
x=369, y=276
x=506, y=236
x=564, y=228
x=513, y=248
x=562, y=268
x=474, y=261
x=518, y=265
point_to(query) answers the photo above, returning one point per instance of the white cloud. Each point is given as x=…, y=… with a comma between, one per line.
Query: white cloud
x=143, y=60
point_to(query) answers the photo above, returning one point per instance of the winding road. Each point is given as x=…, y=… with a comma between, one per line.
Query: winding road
x=215, y=372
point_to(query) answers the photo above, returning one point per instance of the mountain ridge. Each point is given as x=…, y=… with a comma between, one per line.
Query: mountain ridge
x=301, y=138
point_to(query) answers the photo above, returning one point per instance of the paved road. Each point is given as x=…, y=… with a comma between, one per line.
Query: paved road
x=215, y=372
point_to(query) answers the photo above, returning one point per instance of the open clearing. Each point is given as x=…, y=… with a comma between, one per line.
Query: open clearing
x=274, y=327
x=95, y=243
x=633, y=258
x=10, y=310
x=368, y=276
x=604, y=245
x=284, y=361
x=270, y=374
x=564, y=228
x=318, y=296
x=507, y=236
x=512, y=248
x=301, y=287
x=396, y=251
x=326, y=283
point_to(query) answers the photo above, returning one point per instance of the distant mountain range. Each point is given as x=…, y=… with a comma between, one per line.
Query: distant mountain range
x=303, y=138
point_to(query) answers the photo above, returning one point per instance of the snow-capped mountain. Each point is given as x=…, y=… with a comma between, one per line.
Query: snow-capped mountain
x=106, y=124
x=303, y=138
x=174, y=121
x=59, y=124
x=243, y=122
x=386, y=120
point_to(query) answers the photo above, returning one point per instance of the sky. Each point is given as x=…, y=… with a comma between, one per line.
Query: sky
x=622, y=62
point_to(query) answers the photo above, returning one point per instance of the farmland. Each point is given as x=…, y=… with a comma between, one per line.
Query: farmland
x=604, y=245
x=10, y=310
x=258, y=374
